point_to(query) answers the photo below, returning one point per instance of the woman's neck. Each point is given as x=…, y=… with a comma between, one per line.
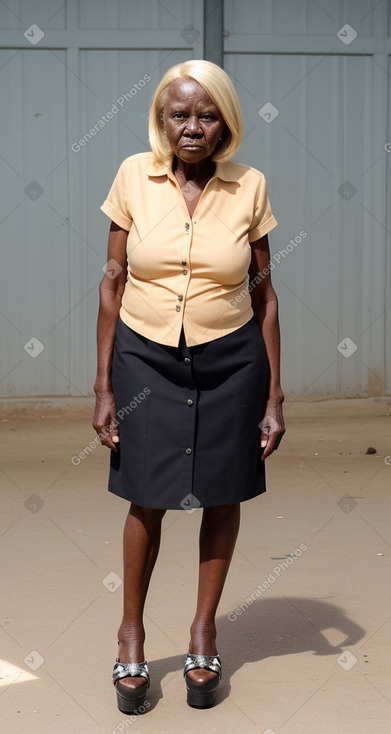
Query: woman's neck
x=201, y=171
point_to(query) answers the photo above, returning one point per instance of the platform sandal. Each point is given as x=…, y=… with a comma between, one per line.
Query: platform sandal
x=131, y=700
x=202, y=695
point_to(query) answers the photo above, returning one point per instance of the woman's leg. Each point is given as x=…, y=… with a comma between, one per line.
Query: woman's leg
x=218, y=533
x=141, y=547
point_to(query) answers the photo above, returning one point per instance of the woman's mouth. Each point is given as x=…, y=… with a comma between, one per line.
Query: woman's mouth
x=193, y=145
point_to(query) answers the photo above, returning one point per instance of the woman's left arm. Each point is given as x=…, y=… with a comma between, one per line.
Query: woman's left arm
x=265, y=307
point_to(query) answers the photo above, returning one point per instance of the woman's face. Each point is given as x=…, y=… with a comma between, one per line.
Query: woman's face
x=192, y=121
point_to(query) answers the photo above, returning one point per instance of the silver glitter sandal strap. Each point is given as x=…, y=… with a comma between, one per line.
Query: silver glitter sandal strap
x=205, y=662
x=131, y=670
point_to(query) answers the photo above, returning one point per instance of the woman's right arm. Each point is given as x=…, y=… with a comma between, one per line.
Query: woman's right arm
x=110, y=296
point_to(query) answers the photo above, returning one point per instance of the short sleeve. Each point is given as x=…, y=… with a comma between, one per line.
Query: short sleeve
x=263, y=219
x=116, y=205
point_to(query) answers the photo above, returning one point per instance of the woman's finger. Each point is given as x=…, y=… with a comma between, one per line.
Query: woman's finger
x=108, y=433
x=271, y=442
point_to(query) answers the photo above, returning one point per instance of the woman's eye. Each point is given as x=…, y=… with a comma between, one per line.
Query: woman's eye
x=181, y=115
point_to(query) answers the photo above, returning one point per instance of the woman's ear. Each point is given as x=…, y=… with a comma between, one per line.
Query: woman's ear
x=224, y=136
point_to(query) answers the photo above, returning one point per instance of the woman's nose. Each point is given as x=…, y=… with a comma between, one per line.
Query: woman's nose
x=193, y=125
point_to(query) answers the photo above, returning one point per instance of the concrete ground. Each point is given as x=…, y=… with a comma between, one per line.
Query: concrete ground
x=304, y=625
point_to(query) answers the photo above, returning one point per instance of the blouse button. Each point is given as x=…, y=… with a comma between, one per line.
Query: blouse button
x=188, y=451
x=187, y=360
x=180, y=297
x=184, y=272
x=177, y=307
x=183, y=263
x=187, y=226
x=190, y=401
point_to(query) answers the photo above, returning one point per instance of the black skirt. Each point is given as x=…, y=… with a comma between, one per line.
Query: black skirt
x=189, y=419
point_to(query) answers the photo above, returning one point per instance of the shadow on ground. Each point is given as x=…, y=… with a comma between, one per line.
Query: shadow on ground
x=269, y=628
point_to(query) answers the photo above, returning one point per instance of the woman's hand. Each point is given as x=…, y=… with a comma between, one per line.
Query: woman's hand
x=111, y=290
x=272, y=426
x=105, y=419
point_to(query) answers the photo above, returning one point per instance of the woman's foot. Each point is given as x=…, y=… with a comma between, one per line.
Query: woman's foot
x=131, y=650
x=202, y=669
x=202, y=642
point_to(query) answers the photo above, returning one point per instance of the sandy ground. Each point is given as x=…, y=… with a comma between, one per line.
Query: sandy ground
x=307, y=653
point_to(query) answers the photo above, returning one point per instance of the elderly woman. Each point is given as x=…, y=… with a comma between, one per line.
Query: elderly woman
x=188, y=394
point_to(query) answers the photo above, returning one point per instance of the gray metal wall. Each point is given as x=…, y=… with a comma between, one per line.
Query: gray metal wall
x=325, y=156
x=325, y=159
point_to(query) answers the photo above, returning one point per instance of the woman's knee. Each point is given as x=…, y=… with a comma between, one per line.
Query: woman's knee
x=222, y=510
x=147, y=515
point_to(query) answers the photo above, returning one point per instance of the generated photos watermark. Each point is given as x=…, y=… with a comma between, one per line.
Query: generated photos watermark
x=115, y=108
x=275, y=260
x=190, y=503
x=347, y=660
x=134, y=403
x=112, y=581
x=267, y=583
x=34, y=660
x=125, y=723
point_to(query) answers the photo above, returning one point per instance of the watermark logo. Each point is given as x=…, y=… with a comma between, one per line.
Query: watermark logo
x=190, y=503
x=347, y=34
x=347, y=347
x=268, y=425
x=34, y=34
x=347, y=190
x=268, y=112
x=110, y=114
x=34, y=347
x=34, y=660
x=125, y=723
x=137, y=400
x=347, y=660
x=347, y=503
x=112, y=581
x=190, y=190
x=34, y=503
x=190, y=34
x=112, y=268
x=267, y=583
x=275, y=260
x=34, y=190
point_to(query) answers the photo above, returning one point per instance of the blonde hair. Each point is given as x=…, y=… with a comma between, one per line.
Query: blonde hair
x=218, y=85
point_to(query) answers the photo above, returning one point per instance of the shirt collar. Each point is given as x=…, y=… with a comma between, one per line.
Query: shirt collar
x=225, y=171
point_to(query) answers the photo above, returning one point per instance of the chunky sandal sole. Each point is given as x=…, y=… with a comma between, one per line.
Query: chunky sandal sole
x=131, y=700
x=133, y=704
x=202, y=695
x=201, y=700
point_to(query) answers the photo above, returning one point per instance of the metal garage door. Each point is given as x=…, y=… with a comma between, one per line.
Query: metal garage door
x=313, y=83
